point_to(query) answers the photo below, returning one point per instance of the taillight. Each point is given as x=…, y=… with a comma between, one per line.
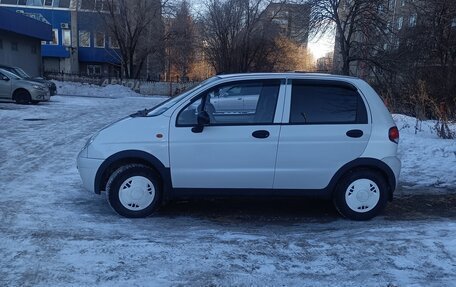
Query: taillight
x=393, y=135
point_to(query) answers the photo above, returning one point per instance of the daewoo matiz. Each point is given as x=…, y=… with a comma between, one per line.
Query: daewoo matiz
x=277, y=134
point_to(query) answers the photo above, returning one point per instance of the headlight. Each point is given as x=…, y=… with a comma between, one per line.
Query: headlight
x=89, y=141
x=38, y=87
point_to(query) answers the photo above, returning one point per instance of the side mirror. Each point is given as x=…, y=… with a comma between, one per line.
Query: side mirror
x=5, y=78
x=202, y=120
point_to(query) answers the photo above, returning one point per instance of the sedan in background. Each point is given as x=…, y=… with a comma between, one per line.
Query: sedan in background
x=22, y=91
x=22, y=74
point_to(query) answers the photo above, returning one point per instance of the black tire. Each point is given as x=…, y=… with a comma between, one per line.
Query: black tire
x=22, y=97
x=346, y=187
x=118, y=181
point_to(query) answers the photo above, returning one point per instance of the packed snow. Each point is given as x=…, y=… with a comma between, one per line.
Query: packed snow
x=427, y=160
x=55, y=233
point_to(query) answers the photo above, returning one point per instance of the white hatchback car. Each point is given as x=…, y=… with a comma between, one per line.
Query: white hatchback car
x=304, y=135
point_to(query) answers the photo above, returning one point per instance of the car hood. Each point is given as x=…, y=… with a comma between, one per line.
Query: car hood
x=28, y=82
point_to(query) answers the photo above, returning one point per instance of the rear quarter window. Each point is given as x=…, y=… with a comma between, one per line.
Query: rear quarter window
x=326, y=102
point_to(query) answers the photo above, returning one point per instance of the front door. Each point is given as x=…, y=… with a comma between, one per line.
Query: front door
x=238, y=148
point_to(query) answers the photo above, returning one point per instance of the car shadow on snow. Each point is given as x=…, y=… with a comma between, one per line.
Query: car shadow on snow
x=298, y=210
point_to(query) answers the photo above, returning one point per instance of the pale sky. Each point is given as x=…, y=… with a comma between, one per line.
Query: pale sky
x=319, y=46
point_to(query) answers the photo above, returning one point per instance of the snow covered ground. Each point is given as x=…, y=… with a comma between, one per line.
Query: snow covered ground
x=54, y=233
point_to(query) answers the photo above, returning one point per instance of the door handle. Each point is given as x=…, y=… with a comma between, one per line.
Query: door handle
x=261, y=134
x=355, y=133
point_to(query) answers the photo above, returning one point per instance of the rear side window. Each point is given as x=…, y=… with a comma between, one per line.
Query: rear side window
x=317, y=102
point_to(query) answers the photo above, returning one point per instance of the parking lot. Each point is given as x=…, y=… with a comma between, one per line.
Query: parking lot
x=54, y=233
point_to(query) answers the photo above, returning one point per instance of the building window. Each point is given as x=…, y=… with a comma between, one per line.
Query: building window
x=400, y=21
x=87, y=5
x=94, y=70
x=47, y=2
x=402, y=2
x=9, y=2
x=84, y=39
x=14, y=46
x=113, y=43
x=33, y=49
x=453, y=23
x=1, y=44
x=30, y=2
x=55, y=37
x=412, y=21
x=99, y=40
x=66, y=37
x=62, y=3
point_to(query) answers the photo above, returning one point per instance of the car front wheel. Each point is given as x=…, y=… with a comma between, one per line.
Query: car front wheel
x=361, y=195
x=134, y=191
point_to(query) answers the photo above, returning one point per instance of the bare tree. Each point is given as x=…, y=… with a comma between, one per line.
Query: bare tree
x=137, y=27
x=359, y=27
x=238, y=37
x=182, y=40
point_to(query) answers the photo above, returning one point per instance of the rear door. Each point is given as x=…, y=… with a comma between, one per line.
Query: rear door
x=325, y=126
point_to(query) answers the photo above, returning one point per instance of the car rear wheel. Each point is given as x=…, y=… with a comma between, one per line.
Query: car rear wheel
x=134, y=191
x=22, y=97
x=361, y=195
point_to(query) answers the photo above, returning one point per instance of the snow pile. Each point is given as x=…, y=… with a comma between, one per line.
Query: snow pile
x=84, y=89
x=427, y=160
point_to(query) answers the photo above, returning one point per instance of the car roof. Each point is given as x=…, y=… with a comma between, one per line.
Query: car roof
x=287, y=75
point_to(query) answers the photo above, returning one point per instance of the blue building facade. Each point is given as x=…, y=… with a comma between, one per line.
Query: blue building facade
x=80, y=43
x=20, y=41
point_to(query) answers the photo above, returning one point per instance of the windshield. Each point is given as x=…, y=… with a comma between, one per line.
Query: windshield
x=21, y=73
x=9, y=74
x=164, y=106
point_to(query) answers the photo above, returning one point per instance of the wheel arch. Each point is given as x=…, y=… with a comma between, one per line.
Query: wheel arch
x=129, y=157
x=366, y=164
x=18, y=90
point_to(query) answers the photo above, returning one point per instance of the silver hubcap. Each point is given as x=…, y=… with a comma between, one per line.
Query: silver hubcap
x=362, y=195
x=136, y=193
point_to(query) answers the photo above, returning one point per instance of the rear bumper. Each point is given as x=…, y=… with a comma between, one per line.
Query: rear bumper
x=394, y=164
x=87, y=168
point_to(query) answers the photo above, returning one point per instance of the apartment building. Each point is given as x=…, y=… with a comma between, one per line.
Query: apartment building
x=81, y=43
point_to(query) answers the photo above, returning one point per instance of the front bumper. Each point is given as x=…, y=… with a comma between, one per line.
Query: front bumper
x=88, y=168
x=40, y=95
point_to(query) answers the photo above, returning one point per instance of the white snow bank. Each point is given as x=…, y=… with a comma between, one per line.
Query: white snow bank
x=427, y=160
x=84, y=89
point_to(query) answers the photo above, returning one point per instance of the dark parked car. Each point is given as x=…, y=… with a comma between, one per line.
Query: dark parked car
x=22, y=74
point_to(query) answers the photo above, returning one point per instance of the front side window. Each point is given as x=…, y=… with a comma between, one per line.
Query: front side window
x=238, y=103
x=320, y=103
